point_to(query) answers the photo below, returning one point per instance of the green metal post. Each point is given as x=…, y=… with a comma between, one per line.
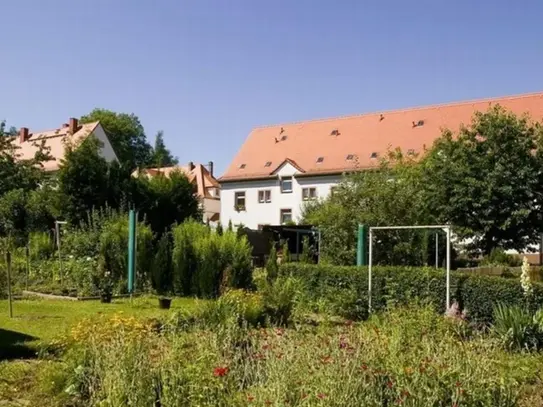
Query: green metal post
x=361, y=247
x=131, y=249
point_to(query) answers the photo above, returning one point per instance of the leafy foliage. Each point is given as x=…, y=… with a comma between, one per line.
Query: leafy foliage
x=486, y=180
x=126, y=135
x=162, y=157
x=345, y=289
x=518, y=328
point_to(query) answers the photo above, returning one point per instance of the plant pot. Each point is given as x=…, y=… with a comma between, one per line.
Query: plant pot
x=164, y=303
x=105, y=299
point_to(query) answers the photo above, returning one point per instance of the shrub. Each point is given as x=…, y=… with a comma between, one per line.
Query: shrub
x=201, y=259
x=346, y=289
x=498, y=257
x=41, y=245
x=518, y=328
x=162, y=266
x=279, y=299
x=272, y=268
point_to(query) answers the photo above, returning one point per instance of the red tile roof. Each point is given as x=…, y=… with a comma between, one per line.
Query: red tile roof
x=196, y=174
x=365, y=137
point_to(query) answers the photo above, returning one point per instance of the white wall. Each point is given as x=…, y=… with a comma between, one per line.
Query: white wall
x=269, y=213
x=107, y=150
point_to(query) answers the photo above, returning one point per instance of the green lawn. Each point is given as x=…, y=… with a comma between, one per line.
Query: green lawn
x=36, y=322
x=39, y=321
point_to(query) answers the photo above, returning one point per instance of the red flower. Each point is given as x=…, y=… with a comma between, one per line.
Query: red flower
x=220, y=371
x=390, y=384
x=250, y=398
x=321, y=396
x=458, y=384
x=364, y=366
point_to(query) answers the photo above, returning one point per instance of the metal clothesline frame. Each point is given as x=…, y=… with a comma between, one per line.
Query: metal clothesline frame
x=445, y=228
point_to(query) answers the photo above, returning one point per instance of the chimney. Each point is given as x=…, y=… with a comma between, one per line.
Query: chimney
x=190, y=165
x=23, y=134
x=73, y=125
x=210, y=167
x=64, y=125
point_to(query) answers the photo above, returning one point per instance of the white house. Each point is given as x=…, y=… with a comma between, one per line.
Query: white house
x=72, y=132
x=278, y=167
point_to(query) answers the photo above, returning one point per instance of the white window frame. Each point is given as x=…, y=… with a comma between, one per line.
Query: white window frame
x=287, y=179
x=238, y=195
x=264, y=196
x=306, y=193
x=282, y=212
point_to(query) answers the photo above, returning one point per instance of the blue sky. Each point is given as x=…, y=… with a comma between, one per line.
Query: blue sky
x=207, y=71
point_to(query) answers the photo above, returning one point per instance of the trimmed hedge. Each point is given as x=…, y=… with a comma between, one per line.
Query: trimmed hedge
x=345, y=289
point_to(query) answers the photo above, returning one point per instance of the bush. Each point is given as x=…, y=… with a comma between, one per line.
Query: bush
x=162, y=266
x=204, y=260
x=518, y=328
x=41, y=245
x=498, y=257
x=346, y=289
x=279, y=299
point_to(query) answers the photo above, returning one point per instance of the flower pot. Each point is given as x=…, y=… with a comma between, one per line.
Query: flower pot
x=164, y=303
x=106, y=299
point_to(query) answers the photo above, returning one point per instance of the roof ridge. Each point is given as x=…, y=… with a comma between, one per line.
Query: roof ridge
x=95, y=123
x=404, y=110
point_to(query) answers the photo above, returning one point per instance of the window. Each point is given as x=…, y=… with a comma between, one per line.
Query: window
x=334, y=132
x=268, y=163
x=283, y=138
x=320, y=160
x=239, y=201
x=286, y=216
x=286, y=185
x=242, y=166
x=374, y=155
x=350, y=157
x=309, y=193
x=264, y=196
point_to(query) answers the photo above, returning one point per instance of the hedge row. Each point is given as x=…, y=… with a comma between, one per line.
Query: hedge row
x=345, y=289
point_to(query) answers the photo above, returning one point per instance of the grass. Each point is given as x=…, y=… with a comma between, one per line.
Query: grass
x=37, y=322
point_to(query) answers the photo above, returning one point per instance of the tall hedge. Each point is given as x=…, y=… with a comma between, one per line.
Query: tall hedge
x=203, y=258
x=345, y=289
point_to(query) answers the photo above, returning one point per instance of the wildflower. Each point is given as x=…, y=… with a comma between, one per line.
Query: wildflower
x=321, y=396
x=250, y=398
x=364, y=366
x=390, y=384
x=458, y=384
x=525, y=281
x=220, y=371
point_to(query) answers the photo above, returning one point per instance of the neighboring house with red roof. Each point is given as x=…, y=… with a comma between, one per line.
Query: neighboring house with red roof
x=280, y=167
x=56, y=140
x=207, y=187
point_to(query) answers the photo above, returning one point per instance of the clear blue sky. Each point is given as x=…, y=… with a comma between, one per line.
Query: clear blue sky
x=207, y=71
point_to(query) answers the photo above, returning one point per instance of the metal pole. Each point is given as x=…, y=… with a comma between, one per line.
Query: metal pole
x=370, y=258
x=57, y=232
x=320, y=248
x=448, y=267
x=437, y=250
x=27, y=252
x=10, y=299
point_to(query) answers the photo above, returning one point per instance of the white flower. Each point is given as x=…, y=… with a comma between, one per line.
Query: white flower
x=525, y=281
x=89, y=258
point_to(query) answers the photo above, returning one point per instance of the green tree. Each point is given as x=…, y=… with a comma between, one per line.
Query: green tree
x=388, y=195
x=126, y=134
x=487, y=182
x=166, y=200
x=84, y=180
x=219, y=229
x=162, y=157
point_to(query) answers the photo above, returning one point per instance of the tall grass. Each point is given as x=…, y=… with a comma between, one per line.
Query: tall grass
x=407, y=357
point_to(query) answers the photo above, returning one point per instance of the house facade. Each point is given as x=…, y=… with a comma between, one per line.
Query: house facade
x=55, y=140
x=207, y=186
x=279, y=168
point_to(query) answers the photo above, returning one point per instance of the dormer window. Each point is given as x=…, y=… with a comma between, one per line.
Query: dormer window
x=374, y=155
x=349, y=157
x=242, y=166
x=286, y=185
x=284, y=137
x=334, y=132
x=320, y=160
x=268, y=164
